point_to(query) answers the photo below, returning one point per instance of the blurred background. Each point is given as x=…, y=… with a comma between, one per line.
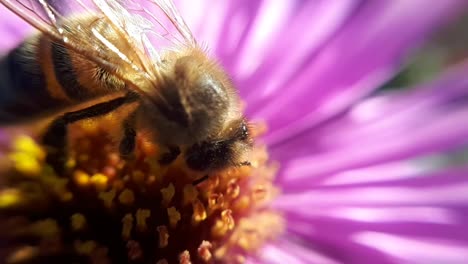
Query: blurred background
x=447, y=47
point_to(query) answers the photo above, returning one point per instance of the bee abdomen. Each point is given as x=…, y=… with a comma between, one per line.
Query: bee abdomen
x=66, y=74
x=23, y=86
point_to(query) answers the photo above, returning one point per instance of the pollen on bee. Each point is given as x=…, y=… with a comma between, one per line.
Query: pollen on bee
x=138, y=201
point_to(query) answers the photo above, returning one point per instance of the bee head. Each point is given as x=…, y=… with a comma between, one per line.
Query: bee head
x=228, y=149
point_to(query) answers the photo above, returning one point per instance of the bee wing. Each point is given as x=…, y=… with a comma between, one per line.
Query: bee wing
x=138, y=25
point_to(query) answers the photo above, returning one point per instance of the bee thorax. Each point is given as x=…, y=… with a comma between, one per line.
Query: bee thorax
x=192, y=104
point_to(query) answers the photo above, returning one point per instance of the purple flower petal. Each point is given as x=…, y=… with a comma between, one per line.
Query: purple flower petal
x=354, y=61
x=424, y=211
x=12, y=28
x=381, y=129
x=285, y=251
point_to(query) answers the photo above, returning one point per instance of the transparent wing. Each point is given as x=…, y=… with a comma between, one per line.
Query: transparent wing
x=123, y=36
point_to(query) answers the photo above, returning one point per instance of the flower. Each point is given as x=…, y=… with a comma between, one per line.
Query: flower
x=357, y=178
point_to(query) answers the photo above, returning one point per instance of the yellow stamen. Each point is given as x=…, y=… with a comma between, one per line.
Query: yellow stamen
x=174, y=216
x=99, y=181
x=199, y=212
x=25, y=163
x=81, y=178
x=127, y=224
x=9, y=198
x=126, y=197
x=204, y=250
x=141, y=216
x=167, y=194
x=108, y=197
x=78, y=222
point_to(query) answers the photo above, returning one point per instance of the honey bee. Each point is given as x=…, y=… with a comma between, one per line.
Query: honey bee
x=93, y=49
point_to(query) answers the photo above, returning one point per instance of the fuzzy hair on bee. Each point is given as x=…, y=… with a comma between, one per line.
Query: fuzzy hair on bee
x=130, y=52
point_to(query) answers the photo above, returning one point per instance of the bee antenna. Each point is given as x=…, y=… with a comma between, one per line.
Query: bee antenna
x=198, y=181
x=245, y=163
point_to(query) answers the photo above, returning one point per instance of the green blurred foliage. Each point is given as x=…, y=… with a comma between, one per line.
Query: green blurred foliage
x=445, y=48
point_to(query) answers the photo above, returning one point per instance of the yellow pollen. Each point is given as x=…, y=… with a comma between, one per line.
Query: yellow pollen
x=70, y=164
x=233, y=189
x=126, y=197
x=25, y=163
x=199, y=212
x=141, y=216
x=105, y=208
x=221, y=252
x=127, y=223
x=174, y=216
x=163, y=235
x=99, y=181
x=108, y=197
x=224, y=224
x=212, y=183
x=167, y=194
x=9, y=197
x=81, y=178
x=78, y=222
x=204, y=250
x=226, y=216
x=242, y=203
x=27, y=145
x=190, y=194
x=215, y=201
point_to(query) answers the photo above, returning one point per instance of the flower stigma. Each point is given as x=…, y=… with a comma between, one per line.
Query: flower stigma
x=110, y=209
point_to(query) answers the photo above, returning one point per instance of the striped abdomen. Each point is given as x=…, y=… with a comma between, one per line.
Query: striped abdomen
x=41, y=77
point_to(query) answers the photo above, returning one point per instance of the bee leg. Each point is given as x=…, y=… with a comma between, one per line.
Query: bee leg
x=168, y=157
x=127, y=144
x=198, y=181
x=56, y=134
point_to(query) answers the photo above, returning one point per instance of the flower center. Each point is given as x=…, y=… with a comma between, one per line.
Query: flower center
x=108, y=209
